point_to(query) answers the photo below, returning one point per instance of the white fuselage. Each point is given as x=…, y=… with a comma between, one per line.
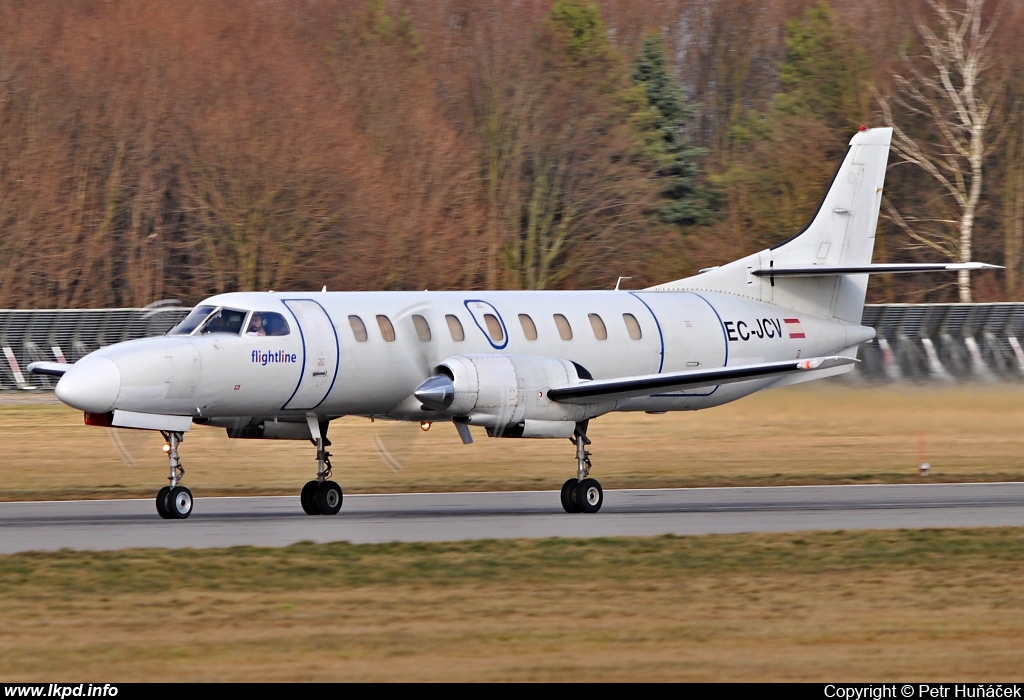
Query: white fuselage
x=325, y=366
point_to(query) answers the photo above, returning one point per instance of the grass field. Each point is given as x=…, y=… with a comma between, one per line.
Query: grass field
x=892, y=606
x=841, y=606
x=823, y=433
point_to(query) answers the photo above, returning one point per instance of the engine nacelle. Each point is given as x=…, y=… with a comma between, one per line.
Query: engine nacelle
x=507, y=394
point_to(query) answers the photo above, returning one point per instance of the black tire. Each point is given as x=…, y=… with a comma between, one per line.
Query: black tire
x=308, y=498
x=161, y=503
x=569, y=496
x=589, y=496
x=179, y=502
x=328, y=498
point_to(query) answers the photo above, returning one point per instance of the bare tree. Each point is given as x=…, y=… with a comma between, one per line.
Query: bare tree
x=944, y=88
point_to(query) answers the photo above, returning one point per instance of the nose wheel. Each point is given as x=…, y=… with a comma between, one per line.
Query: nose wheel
x=321, y=496
x=582, y=494
x=161, y=503
x=174, y=502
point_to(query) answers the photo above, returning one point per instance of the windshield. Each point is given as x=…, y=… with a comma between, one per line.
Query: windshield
x=224, y=321
x=192, y=321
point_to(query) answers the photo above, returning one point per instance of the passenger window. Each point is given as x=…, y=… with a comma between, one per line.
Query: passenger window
x=358, y=328
x=494, y=328
x=422, y=328
x=455, y=328
x=529, y=327
x=224, y=321
x=632, y=326
x=600, y=332
x=564, y=329
x=267, y=323
x=387, y=331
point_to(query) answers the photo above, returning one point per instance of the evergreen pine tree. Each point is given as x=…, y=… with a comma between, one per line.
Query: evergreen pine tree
x=685, y=200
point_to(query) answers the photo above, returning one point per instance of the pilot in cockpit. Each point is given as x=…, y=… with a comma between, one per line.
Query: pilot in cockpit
x=256, y=325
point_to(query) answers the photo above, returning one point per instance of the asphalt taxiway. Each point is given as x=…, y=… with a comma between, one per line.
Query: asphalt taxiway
x=436, y=517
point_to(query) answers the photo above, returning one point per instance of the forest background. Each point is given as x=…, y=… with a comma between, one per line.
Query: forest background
x=154, y=149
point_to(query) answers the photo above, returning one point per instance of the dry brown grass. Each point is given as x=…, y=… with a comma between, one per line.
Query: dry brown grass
x=817, y=607
x=826, y=433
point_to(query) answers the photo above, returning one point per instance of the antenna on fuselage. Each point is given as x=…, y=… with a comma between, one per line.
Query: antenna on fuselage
x=619, y=281
x=324, y=289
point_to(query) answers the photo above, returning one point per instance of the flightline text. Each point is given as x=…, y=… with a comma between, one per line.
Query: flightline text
x=264, y=358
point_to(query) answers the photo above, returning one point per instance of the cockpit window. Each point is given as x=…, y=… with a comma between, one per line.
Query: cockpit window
x=266, y=323
x=192, y=321
x=224, y=321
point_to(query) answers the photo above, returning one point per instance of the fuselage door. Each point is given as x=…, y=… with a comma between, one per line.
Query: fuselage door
x=319, y=354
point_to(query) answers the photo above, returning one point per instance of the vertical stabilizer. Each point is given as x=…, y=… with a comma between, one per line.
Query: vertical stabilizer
x=841, y=232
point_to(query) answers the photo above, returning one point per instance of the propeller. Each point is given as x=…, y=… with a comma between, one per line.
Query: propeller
x=131, y=445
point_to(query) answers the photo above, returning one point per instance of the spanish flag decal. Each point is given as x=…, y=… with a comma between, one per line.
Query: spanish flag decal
x=794, y=328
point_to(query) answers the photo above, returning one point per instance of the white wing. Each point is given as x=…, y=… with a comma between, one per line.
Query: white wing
x=594, y=391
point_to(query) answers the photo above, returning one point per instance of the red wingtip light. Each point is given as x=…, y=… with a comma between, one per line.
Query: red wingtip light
x=863, y=128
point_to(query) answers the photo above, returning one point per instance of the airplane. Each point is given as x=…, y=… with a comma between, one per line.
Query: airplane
x=519, y=364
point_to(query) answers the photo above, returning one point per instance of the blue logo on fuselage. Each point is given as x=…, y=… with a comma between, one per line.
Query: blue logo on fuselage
x=269, y=358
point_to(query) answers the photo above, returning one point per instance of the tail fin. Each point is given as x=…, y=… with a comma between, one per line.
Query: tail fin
x=841, y=233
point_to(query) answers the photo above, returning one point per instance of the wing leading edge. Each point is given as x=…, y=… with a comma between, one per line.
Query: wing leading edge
x=52, y=369
x=595, y=391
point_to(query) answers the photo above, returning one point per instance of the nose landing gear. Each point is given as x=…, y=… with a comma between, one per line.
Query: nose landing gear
x=582, y=494
x=174, y=502
x=321, y=496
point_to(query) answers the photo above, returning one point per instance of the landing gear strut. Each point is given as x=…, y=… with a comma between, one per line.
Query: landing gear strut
x=321, y=496
x=174, y=502
x=582, y=494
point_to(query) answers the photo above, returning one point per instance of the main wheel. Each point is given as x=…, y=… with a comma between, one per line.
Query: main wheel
x=179, y=502
x=589, y=496
x=308, y=498
x=161, y=503
x=328, y=498
x=569, y=496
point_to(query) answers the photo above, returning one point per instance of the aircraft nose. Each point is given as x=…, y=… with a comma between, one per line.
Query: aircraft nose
x=92, y=384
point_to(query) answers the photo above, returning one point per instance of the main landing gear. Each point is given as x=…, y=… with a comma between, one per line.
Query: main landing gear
x=174, y=502
x=582, y=494
x=321, y=496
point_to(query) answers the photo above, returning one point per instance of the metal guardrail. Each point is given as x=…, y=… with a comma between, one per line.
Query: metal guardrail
x=915, y=342
x=66, y=335
x=944, y=342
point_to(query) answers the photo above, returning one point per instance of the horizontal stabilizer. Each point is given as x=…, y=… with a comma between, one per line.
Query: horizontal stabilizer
x=599, y=390
x=53, y=369
x=876, y=269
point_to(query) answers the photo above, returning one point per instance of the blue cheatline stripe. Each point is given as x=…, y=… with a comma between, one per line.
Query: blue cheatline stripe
x=337, y=354
x=725, y=340
x=337, y=351
x=661, y=337
x=302, y=371
x=725, y=337
x=504, y=328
